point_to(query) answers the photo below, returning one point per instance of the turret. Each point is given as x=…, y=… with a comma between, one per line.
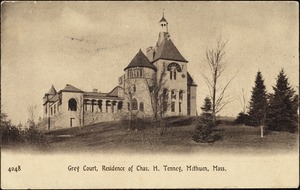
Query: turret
x=163, y=23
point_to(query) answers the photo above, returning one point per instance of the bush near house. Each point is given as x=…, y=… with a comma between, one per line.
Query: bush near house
x=204, y=129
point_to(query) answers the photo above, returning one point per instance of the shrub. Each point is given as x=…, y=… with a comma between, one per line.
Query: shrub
x=34, y=137
x=204, y=130
x=244, y=118
x=11, y=134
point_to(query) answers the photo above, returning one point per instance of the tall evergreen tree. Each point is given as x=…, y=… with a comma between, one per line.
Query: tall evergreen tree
x=258, y=103
x=282, y=112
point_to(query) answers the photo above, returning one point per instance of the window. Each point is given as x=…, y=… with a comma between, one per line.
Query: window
x=134, y=88
x=141, y=72
x=100, y=105
x=114, y=103
x=72, y=105
x=107, y=104
x=173, y=95
x=173, y=106
x=180, y=95
x=165, y=106
x=173, y=68
x=128, y=106
x=93, y=103
x=120, y=105
x=142, y=106
x=179, y=107
x=51, y=111
x=46, y=110
x=54, y=109
x=134, y=104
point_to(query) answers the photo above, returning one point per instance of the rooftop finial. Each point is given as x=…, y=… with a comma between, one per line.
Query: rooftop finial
x=163, y=16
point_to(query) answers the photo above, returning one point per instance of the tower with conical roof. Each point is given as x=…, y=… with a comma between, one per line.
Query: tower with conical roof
x=137, y=78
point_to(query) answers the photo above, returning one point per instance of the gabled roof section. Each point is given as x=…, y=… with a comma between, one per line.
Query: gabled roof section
x=114, y=92
x=70, y=88
x=167, y=50
x=190, y=80
x=140, y=60
x=52, y=91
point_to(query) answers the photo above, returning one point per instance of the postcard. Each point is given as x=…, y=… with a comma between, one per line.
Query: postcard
x=105, y=94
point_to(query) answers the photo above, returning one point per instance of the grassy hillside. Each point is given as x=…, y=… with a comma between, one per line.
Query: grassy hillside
x=115, y=137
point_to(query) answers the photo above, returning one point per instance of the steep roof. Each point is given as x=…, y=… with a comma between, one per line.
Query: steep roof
x=70, y=88
x=140, y=60
x=52, y=91
x=190, y=80
x=54, y=98
x=167, y=50
x=163, y=19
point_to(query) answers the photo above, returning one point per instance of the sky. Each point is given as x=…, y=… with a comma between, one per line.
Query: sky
x=88, y=44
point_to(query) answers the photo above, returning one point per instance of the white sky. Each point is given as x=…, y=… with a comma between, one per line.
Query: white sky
x=37, y=50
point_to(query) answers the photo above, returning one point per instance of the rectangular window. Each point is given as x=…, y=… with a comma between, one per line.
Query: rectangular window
x=46, y=110
x=54, y=109
x=51, y=111
x=174, y=75
x=173, y=106
x=179, y=107
x=141, y=71
x=170, y=75
x=165, y=106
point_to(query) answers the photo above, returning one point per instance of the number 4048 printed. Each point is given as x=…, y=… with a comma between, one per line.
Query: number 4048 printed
x=14, y=169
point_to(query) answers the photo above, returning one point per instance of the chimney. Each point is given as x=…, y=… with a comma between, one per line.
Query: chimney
x=95, y=90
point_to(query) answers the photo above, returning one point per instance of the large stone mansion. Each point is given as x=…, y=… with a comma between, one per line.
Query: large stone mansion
x=163, y=65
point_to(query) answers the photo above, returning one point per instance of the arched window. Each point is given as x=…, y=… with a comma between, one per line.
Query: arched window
x=128, y=106
x=114, y=103
x=107, y=105
x=134, y=104
x=141, y=72
x=120, y=105
x=93, y=103
x=141, y=106
x=173, y=94
x=72, y=105
x=100, y=105
x=180, y=95
x=173, y=68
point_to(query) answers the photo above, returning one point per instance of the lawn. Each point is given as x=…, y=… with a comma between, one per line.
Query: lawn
x=114, y=137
